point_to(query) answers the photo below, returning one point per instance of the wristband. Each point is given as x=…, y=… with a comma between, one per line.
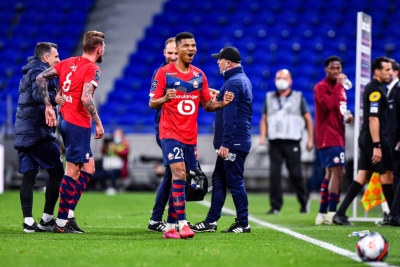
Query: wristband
x=377, y=144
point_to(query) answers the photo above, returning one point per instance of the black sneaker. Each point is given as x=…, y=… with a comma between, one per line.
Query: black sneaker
x=29, y=228
x=72, y=222
x=273, y=212
x=156, y=226
x=395, y=221
x=46, y=226
x=237, y=228
x=67, y=229
x=341, y=220
x=204, y=227
x=190, y=225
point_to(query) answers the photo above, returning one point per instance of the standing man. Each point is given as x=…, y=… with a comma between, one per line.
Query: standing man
x=375, y=151
x=284, y=114
x=178, y=88
x=232, y=140
x=35, y=141
x=156, y=223
x=330, y=111
x=78, y=80
x=393, y=94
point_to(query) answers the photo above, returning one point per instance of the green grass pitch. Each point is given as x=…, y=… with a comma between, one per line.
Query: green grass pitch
x=116, y=235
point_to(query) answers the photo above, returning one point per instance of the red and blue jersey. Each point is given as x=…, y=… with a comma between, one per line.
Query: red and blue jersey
x=73, y=73
x=179, y=116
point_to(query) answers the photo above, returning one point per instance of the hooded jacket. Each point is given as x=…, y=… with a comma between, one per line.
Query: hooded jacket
x=30, y=126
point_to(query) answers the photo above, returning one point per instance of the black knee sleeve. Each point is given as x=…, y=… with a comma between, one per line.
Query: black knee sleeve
x=26, y=192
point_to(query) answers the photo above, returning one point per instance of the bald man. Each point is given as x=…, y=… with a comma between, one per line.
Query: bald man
x=284, y=115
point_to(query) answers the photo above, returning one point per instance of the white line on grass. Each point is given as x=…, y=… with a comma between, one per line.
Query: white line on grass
x=322, y=244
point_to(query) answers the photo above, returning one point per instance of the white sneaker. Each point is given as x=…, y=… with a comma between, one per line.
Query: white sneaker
x=328, y=218
x=321, y=217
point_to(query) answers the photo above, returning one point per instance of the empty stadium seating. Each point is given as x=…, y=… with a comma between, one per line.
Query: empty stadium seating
x=297, y=35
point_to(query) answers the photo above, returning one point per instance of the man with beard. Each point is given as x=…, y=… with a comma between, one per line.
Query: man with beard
x=178, y=88
x=374, y=147
x=78, y=78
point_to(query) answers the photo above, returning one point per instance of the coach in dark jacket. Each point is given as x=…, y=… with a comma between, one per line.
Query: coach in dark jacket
x=35, y=141
x=30, y=125
x=232, y=140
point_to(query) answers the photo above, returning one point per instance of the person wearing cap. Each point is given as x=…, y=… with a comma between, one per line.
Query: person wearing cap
x=232, y=141
x=284, y=116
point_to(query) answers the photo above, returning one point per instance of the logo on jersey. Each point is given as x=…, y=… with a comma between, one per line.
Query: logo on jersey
x=153, y=85
x=373, y=108
x=170, y=156
x=195, y=84
x=177, y=83
x=374, y=96
x=195, y=73
x=73, y=67
x=97, y=75
x=186, y=107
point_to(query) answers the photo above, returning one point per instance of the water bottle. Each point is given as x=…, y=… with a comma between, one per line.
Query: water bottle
x=231, y=156
x=347, y=84
x=360, y=233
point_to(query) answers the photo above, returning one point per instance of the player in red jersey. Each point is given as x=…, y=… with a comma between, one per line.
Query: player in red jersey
x=330, y=109
x=178, y=88
x=78, y=77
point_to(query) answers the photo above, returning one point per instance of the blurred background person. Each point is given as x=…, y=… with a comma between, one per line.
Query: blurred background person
x=330, y=116
x=284, y=115
x=115, y=158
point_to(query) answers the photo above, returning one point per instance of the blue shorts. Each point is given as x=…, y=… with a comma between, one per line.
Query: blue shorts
x=333, y=156
x=76, y=141
x=174, y=151
x=45, y=155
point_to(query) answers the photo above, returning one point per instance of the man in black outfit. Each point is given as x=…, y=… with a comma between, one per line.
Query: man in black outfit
x=35, y=141
x=375, y=151
x=394, y=140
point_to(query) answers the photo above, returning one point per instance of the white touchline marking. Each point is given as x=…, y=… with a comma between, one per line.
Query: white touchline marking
x=322, y=244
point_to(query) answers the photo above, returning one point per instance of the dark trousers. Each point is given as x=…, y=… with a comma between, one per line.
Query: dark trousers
x=396, y=170
x=163, y=191
x=290, y=152
x=229, y=175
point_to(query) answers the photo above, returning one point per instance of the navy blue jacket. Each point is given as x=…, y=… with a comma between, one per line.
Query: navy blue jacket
x=158, y=110
x=233, y=122
x=30, y=126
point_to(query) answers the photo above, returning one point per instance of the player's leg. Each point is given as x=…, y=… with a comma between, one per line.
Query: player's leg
x=218, y=197
x=47, y=155
x=395, y=207
x=77, y=143
x=292, y=154
x=323, y=205
x=275, y=191
x=235, y=181
x=29, y=170
x=162, y=196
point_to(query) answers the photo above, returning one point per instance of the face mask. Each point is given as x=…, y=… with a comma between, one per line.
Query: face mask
x=117, y=140
x=282, y=84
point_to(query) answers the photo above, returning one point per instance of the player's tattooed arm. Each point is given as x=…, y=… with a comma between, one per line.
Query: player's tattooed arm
x=87, y=101
x=41, y=81
x=212, y=105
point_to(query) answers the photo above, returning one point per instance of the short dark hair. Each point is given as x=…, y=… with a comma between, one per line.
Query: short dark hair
x=332, y=59
x=395, y=65
x=183, y=35
x=91, y=40
x=377, y=63
x=43, y=48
